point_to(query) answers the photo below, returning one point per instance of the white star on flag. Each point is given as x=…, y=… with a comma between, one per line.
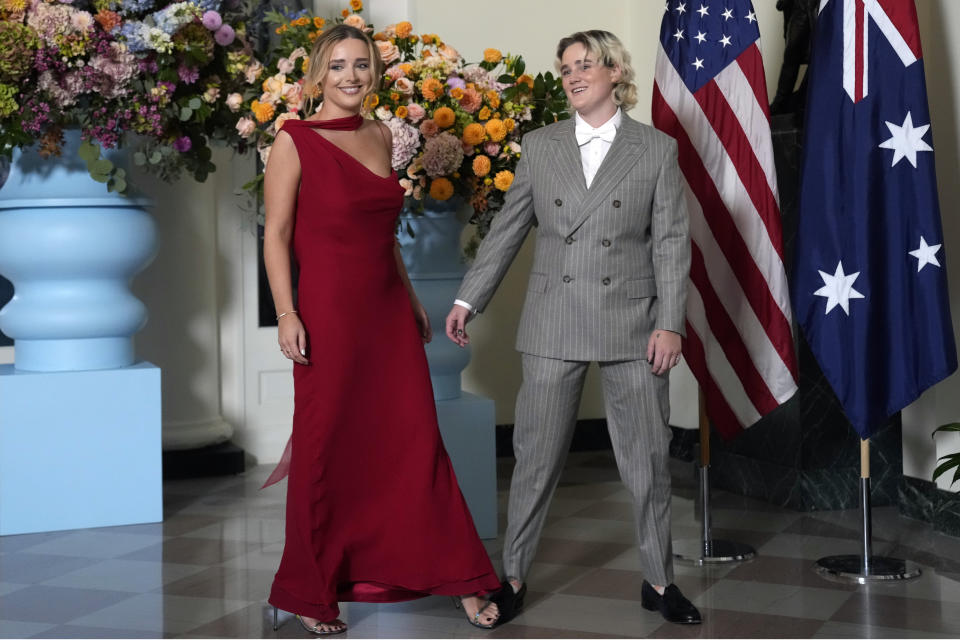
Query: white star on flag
x=703, y=11
x=725, y=40
x=700, y=37
x=838, y=289
x=682, y=8
x=906, y=141
x=751, y=17
x=926, y=254
x=698, y=63
x=678, y=35
x=727, y=14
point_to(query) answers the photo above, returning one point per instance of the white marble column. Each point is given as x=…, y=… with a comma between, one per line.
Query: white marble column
x=181, y=293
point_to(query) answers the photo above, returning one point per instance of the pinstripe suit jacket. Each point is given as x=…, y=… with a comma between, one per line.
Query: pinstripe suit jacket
x=611, y=261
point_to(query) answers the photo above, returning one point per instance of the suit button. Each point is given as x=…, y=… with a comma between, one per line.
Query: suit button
x=605, y=242
x=616, y=204
x=605, y=281
x=567, y=279
x=558, y=202
x=569, y=240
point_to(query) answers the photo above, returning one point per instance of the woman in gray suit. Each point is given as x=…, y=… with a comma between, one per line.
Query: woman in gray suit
x=608, y=285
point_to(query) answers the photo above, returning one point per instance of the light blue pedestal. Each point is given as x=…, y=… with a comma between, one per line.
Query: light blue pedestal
x=79, y=449
x=468, y=430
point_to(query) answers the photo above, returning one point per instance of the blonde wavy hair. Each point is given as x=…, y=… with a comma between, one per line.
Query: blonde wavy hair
x=320, y=61
x=606, y=49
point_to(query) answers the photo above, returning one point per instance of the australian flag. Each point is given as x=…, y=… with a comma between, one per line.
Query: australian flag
x=869, y=280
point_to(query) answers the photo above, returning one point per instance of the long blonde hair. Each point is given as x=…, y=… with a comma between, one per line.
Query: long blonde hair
x=607, y=50
x=320, y=61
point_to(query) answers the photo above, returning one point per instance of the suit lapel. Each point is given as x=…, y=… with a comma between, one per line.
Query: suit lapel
x=623, y=155
x=569, y=166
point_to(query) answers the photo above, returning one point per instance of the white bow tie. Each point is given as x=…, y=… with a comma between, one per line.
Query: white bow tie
x=585, y=133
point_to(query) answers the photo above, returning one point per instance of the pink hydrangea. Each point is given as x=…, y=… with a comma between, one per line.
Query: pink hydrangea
x=442, y=154
x=406, y=142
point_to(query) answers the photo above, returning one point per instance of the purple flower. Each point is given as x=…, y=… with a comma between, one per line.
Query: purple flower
x=188, y=75
x=224, y=35
x=455, y=82
x=212, y=20
x=182, y=144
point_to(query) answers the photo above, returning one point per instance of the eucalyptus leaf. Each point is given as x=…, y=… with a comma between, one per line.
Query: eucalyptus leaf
x=100, y=177
x=139, y=158
x=88, y=151
x=195, y=103
x=102, y=166
x=185, y=114
x=155, y=157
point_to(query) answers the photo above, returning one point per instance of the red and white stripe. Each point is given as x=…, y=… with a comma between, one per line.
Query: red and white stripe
x=739, y=340
x=897, y=21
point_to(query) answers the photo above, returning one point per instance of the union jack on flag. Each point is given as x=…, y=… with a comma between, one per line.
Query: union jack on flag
x=869, y=281
x=710, y=94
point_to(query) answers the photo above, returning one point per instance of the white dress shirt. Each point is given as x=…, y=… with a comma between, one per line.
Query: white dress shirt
x=594, y=143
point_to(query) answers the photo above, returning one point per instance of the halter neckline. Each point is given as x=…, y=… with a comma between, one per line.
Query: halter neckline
x=348, y=123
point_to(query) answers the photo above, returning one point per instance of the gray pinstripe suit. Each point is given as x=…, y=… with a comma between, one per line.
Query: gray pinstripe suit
x=610, y=266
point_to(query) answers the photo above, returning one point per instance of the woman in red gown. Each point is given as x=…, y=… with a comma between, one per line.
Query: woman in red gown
x=374, y=512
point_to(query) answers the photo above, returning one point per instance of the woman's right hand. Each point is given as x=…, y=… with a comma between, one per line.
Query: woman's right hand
x=292, y=338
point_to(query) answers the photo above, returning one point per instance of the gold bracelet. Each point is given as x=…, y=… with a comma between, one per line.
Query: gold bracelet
x=286, y=312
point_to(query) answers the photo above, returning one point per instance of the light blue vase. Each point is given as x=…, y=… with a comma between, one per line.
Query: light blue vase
x=435, y=265
x=70, y=248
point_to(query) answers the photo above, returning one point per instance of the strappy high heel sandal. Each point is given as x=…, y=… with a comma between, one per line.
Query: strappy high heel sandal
x=475, y=620
x=315, y=629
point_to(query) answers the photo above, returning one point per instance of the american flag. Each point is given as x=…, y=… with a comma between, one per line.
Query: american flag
x=869, y=283
x=710, y=94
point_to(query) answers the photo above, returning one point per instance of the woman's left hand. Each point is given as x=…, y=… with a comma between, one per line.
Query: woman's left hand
x=423, y=321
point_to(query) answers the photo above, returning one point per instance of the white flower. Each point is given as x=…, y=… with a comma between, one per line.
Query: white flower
x=383, y=113
x=246, y=127
x=234, y=100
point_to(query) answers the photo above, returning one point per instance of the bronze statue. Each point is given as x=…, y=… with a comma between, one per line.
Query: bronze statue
x=799, y=17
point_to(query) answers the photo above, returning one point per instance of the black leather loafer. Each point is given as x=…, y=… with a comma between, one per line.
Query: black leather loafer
x=509, y=603
x=672, y=605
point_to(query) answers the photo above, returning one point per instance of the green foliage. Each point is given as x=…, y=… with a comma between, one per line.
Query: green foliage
x=951, y=460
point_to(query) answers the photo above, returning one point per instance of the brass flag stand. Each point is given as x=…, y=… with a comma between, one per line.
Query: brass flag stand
x=866, y=567
x=708, y=550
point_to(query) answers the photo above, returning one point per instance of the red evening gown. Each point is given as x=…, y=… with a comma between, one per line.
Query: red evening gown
x=374, y=512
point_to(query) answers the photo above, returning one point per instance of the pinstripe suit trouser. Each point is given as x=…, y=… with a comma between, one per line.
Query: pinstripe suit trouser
x=638, y=414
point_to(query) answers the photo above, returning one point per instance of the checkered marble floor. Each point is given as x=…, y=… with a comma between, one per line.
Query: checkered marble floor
x=206, y=571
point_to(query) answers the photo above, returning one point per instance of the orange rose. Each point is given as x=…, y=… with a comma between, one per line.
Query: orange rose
x=456, y=93
x=493, y=99
x=356, y=5
x=485, y=113
x=492, y=55
x=404, y=29
x=481, y=166
x=395, y=96
x=345, y=13
x=526, y=79
x=474, y=133
x=509, y=123
x=401, y=112
x=318, y=23
x=503, y=180
x=444, y=117
x=432, y=89
x=370, y=102
x=407, y=68
x=441, y=189
x=426, y=38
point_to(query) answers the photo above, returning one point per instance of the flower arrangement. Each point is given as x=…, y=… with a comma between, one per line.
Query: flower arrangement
x=456, y=125
x=168, y=73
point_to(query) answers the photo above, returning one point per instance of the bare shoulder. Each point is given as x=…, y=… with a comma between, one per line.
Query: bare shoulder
x=383, y=132
x=284, y=150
